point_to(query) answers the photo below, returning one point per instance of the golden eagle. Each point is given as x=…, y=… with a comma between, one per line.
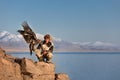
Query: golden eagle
x=29, y=36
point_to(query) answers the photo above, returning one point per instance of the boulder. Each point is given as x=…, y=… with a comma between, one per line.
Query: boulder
x=8, y=69
x=61, y=76
x=38, y=70
x=28, y=66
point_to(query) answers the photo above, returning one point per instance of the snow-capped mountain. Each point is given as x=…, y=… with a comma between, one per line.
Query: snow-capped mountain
x=99, y=46
x=11, y=41
x=17, y=43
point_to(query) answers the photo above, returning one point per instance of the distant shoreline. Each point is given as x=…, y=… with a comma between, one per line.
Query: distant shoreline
x=58, y=51
x=69, y=52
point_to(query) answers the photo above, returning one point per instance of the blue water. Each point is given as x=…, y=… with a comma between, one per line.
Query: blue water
x=85, y=65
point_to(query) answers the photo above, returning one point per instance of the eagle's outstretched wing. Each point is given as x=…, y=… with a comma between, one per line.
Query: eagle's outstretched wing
x=28, y=35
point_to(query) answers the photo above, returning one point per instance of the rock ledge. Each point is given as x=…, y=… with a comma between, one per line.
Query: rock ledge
x=12, y=68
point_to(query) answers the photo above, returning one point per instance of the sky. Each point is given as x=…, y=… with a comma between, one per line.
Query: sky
x=70, y=20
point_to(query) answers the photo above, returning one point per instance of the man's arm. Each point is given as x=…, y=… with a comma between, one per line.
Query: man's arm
x=51, y=49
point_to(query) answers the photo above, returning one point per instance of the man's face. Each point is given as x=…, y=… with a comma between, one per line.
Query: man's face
x=47, y=40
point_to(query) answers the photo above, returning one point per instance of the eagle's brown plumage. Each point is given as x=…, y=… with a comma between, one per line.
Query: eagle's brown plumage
x=29, y=36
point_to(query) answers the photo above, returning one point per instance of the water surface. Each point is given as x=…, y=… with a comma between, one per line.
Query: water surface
x=85, y=65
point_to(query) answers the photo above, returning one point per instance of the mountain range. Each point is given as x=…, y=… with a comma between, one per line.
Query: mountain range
x=15, y=42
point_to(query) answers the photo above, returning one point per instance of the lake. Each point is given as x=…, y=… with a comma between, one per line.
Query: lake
x=85, y=65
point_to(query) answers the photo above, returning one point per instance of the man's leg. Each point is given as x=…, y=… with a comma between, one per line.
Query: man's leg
x=38, y=54
x=49, y=57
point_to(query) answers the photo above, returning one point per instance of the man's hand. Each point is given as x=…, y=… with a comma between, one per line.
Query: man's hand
x=45, y=52
x=38, y=41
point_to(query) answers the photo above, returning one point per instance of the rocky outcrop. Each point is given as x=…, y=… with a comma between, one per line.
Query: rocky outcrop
x=12, y=68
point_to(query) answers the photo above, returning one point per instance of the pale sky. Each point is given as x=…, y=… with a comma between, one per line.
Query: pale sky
x=70, y=20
